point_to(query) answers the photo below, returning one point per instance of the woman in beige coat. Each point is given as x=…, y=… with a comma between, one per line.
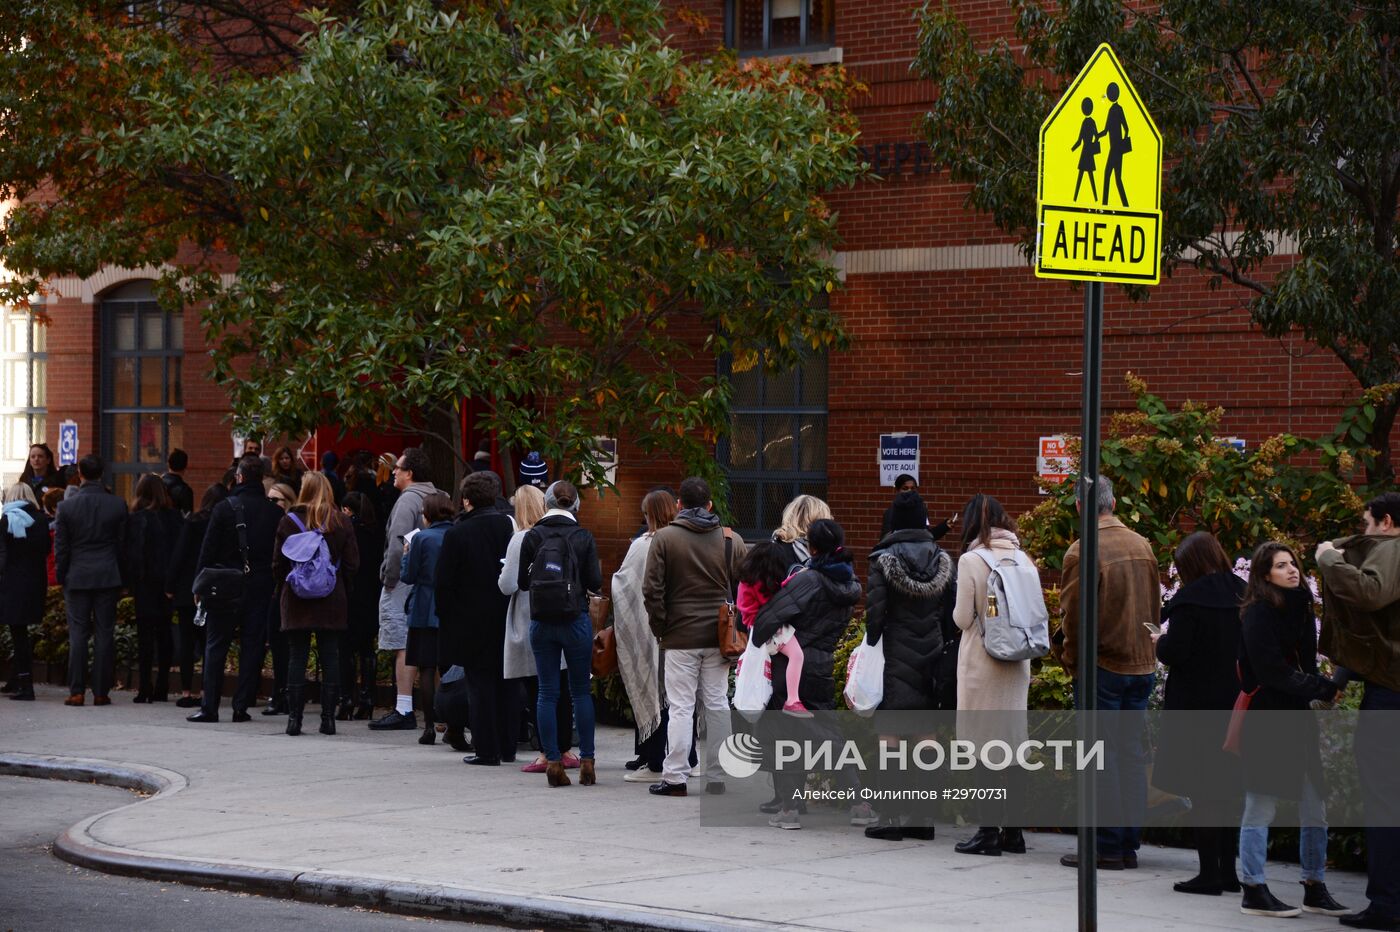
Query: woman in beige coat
x=990, y=692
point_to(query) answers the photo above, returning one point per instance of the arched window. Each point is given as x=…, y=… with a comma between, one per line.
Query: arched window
x=143, y=350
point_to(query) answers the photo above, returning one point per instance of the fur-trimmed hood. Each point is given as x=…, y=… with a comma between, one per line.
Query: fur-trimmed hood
x=919, y=569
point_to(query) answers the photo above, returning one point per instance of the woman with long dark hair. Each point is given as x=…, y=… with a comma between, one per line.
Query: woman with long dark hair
x=992, y=693
x=41, y=473
x=179, y=586
x=25, y=544
x=1281, y=759
x=358, y=652
x=287, y=468
x=326, y=616
x=1200, y=647
x=152, y=530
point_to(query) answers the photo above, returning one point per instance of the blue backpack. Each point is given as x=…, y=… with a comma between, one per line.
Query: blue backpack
x=313, y=574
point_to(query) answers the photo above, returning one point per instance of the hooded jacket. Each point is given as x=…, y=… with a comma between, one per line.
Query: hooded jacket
x=687, y=580
x=817, y=603
x=1361, y=607
x=406, y=515
x=909, y=604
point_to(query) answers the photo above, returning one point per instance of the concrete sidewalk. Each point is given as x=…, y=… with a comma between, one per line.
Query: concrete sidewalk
x=376, y=818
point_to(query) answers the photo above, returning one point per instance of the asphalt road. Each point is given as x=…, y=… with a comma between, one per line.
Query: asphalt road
x=40, y=893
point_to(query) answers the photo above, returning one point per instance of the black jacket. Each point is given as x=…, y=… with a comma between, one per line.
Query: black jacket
x=24, y=571
x=585, y=554
x=90, y=531
x=179, y=574
x=365, y=585
x=939, y=530
x=1279, y=657
x=181, y=495
x=1200, y=648
x=221, y=540
x=913, y=586
x=817, y=603
x=471, y=610
x=150, y=544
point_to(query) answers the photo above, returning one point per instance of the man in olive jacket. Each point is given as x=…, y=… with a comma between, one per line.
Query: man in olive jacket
x=1361, y=631
x=692, y=569
x=1130, y=595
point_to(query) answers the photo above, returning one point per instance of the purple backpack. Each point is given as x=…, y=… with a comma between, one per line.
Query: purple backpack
x=313, y=573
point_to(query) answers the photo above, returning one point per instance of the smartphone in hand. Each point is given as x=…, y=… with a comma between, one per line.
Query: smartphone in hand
x=1151, y=628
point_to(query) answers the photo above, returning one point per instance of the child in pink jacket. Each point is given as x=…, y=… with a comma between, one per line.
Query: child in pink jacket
x=762, y=573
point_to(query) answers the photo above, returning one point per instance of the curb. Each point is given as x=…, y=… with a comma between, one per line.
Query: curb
x=78, y=846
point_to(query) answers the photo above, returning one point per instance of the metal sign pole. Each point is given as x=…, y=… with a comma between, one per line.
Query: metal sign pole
x=1088, y=659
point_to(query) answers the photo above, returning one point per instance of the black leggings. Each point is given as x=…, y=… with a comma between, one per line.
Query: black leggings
x=189, y=645
x=154, y=636
x=299, y=652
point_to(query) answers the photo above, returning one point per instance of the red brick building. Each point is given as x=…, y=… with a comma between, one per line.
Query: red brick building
x=953, y=338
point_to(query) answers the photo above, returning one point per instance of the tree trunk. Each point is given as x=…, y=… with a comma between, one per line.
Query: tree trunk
x=443, y=444
x=1381, y=471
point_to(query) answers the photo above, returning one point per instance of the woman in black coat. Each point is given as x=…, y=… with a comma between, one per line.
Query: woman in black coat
x=24, y=577
x=909, y=603
x=1200, y=647
x=152, y=530
x=817, y=603
x=1278, y=667
x=179, y=586
x=358, y=652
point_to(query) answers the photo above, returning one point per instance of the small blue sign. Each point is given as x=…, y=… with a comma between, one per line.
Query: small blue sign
x=67, y=443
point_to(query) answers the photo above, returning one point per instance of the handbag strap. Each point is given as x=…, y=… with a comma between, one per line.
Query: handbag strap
x=728, y=559
x=242, y=527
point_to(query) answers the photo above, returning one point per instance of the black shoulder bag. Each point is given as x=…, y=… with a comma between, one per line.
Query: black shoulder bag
x=221, y=587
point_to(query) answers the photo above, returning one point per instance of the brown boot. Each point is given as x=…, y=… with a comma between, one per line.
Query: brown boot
x=555, y=774
x=586, y=776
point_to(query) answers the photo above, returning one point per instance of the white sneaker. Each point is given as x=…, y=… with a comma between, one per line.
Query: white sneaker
x=862, y=814
x=642, y=775
x=787, y=821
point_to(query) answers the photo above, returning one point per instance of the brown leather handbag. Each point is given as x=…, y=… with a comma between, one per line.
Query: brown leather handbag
x=599, y=609
x=604, y=653
x=733, y=640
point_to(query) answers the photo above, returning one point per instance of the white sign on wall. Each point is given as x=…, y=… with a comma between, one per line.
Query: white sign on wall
x=1053, y=462
x=899, y=453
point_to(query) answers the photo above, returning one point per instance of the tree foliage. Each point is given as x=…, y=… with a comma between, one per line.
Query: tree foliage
x=538, y=204
x=1173, y=473
x=1281, y=125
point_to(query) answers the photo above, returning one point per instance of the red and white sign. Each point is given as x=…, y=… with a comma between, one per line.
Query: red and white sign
x=1053, y=463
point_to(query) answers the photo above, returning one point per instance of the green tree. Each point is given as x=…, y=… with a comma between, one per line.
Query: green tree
x=1281, y=123
x=538, y=204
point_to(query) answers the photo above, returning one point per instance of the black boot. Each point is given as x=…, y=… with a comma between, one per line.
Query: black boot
x=296, y=698
x=1012, y=841
x=328, y=695
x=24, y=688
x=887, y=829
x=987, y=841
x=1258, y=901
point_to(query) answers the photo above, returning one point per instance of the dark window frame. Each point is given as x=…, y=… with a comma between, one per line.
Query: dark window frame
x=791, y=481
x=731, y=28
x=143, y=307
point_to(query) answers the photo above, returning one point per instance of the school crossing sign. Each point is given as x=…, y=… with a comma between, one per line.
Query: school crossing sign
x=1100, y=182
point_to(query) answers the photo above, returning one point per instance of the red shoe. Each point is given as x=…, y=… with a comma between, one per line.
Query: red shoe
x=570, y=761
x=796, y=708
x=101, y=700
x=75, y=699
x=538, y=766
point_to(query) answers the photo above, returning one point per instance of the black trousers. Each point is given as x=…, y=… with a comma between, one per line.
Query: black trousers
x=653, y=750
x=277, y=643
x=248, y=623
x=154, y=636
x=1377, y=761
x=495, y=713
x=91, y=613
x=299, y=652
x=23, y=662
x=189, y=644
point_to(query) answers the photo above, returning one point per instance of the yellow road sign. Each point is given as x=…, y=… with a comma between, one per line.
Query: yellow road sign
x=1099, y=194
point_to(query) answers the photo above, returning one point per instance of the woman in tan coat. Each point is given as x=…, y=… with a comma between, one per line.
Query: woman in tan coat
x=990, y=691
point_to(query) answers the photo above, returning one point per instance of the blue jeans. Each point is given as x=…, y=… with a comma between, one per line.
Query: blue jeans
x=1254, y=835
x=574, y=640
x=1122, y=785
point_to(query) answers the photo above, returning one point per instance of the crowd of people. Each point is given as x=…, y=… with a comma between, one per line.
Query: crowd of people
x=485, y=605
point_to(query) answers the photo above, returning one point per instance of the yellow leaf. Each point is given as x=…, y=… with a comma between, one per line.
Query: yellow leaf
x=306, y=152
x=787, y=215
x=1146, y=486
x=262, y=211
x=1162, y=488
x=830, y=287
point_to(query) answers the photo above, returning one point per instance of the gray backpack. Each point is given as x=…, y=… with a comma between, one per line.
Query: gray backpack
x=1015, y=623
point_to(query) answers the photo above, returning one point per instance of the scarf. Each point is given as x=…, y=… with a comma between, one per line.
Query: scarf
x=18, y=519
x=637, y=654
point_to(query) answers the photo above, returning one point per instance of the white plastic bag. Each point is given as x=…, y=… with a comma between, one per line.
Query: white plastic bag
x=865, y=676
x=753, y=682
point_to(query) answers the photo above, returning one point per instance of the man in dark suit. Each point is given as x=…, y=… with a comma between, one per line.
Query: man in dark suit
x=472, y=617
x=88, y=533
x=181, y=495
x=250, y=615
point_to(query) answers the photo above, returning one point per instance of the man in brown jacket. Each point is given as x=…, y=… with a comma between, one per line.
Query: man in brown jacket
x=692, y=569
x=1130, y=596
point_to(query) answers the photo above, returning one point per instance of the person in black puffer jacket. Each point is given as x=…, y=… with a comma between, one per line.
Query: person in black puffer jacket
x=817, y=602
x=910, y=603
x=179, y=586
